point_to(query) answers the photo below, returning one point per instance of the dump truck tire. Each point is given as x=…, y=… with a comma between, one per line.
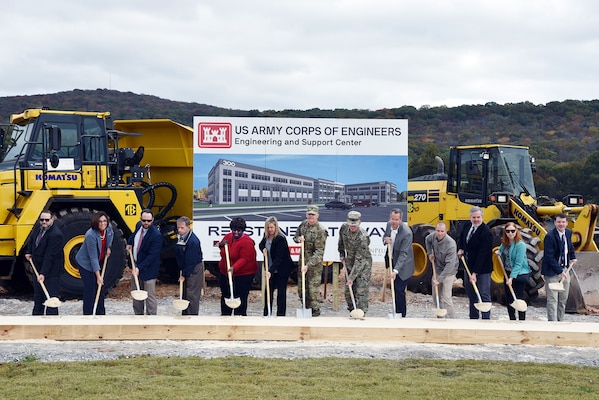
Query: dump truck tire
x=74, y=223
x=420, y=282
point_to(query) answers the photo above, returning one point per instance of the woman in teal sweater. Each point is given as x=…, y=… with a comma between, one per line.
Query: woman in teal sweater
x=513, y=255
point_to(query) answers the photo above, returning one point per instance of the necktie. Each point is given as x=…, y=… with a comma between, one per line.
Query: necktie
x=39, y=237
x=141, y=236
x=470, y=233
x=562, y=257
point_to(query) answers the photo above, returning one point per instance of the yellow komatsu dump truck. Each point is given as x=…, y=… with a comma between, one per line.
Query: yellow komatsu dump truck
x=499, y=179
x=76, y=163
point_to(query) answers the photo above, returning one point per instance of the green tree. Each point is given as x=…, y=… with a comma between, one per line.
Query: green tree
x=424, y=163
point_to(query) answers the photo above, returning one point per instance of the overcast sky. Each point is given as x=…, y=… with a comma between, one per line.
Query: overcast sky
x=302, y=54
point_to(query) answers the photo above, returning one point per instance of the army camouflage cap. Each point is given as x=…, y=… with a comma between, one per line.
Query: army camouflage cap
x=353, y=218
x=312, y=210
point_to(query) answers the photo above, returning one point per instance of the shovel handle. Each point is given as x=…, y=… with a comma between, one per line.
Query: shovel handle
x=436, y=286
x=470, y=278
x=267, y=282
x=505, y=275
x=135, y=278
x=37, y=275
x=100, y=286
x=229, y=274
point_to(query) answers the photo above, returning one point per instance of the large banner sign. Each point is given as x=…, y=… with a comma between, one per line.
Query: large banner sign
x=261, y=167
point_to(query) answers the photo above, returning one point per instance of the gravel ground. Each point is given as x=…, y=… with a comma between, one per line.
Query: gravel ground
x=419, y=306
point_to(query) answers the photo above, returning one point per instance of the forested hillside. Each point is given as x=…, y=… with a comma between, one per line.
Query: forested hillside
x=563, y=136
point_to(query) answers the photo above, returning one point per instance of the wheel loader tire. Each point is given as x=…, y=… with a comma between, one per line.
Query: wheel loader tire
x=74, y=223
x=535, y=281
x=420, y=282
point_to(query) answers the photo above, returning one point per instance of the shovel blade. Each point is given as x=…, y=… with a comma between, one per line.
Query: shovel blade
x=52, y=302
x=440, y=312
x=483, y=307
x=180, y=304
x=233, y=303
x=519, y=305
x=139, y=294
x=357, y=313
x=304, y=313
x=557, y=286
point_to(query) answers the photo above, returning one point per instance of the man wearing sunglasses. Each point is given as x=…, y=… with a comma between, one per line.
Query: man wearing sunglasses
x=46, y=252
x=145, y=244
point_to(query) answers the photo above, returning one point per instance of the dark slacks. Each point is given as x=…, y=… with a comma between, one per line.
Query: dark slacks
x=90, y=287
x=278, y=282
x=241, y=289
x=400, y=296
x=39, y=296
x=483, y=283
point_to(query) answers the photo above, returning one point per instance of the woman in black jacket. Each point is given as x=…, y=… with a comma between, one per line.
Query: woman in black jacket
x=279, y=263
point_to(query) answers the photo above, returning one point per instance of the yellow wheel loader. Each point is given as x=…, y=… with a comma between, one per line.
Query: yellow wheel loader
x=499, y=179
x=76, y=163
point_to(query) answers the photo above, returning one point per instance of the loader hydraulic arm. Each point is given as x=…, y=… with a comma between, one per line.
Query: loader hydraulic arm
x=525, y=219
x=583, y=229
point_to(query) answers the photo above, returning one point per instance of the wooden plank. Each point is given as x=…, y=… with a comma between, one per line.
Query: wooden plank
x=419, y=330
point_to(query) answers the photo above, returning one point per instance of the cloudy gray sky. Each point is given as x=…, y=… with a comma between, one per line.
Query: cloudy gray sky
x=280, y=54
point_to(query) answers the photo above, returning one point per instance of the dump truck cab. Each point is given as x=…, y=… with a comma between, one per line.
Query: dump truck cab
x=77, y=163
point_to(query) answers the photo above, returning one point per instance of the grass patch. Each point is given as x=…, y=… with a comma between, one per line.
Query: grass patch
x=326, y=378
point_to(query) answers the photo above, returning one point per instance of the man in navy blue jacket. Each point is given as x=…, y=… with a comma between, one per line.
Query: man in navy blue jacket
x=189, y=261
x=146, y=244
x=559, y=254
x=476, y=245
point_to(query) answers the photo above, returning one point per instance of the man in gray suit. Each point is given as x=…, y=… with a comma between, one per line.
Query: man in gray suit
x=399, y=235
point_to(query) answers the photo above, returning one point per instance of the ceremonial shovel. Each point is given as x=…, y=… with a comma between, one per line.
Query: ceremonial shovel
x=50, y=301
x=180, y=304
x=99, y=286
x=137, y=294
x=439, y=312
x=356, y=312
x=519, y=305
x=480, y=306
x=559, y=286
x=303, y=312
x=265, y=252
x=232, y=302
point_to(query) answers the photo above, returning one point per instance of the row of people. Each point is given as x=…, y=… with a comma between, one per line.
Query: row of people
x=474, y=244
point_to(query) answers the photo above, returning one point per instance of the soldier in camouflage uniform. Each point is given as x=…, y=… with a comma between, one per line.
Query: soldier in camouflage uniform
x=314, y=236
x=354, y=250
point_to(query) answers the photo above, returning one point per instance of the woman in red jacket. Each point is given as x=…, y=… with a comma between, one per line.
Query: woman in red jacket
x=242, y=255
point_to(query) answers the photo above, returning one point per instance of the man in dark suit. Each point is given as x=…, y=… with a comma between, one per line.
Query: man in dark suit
x=476, y=244
x=559, y=254
x=46, y=250
x=146, y=244
x=399, y=235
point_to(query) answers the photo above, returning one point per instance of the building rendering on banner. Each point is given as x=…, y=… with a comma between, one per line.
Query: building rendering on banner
x=231, y=182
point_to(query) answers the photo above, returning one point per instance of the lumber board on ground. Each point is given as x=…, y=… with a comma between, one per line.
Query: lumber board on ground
x=419, y=330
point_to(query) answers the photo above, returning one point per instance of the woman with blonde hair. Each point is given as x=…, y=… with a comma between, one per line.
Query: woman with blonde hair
x=279, y=263
x=513, y=254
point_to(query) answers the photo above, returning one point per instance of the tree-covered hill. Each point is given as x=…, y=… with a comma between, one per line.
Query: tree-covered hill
x=563, y=136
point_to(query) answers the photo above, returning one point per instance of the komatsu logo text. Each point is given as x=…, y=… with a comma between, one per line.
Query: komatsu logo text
x=525, y=221
x=57, y=177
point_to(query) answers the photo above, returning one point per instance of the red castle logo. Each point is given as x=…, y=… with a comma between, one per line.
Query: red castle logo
x=215, y=135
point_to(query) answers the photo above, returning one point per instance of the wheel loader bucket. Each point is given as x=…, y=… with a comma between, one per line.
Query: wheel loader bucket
x=584, y=284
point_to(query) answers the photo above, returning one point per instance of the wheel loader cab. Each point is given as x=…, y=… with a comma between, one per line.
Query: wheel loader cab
x=477, y=172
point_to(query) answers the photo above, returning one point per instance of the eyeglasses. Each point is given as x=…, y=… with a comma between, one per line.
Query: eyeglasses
x=237, y=230
x=44, y=219
x=146, y=220
x=510, y=231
